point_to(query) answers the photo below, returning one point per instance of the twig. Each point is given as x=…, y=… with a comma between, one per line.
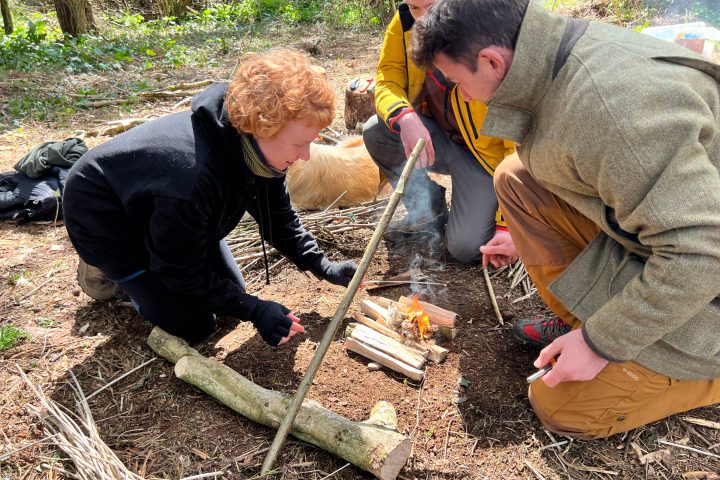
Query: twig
x=700, y=421
x=417, y=410
x=685, y=447
x=335, y=201
x=10, y=454
x=336, y=471
x=328, y=138
x=119, y=378
x=534, y=470
x=553, y=445
x=36, y=289
x=491, y=292
x=447, y=437
x=204, y=475
x=181, y=103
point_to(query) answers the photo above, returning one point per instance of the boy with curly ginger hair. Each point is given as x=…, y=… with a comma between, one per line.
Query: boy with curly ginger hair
x=148, y=211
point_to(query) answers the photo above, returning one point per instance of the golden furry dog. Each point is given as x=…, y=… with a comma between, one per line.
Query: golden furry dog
x=332, y=170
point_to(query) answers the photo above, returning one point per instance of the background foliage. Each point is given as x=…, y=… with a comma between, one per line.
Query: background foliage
x=143, y=37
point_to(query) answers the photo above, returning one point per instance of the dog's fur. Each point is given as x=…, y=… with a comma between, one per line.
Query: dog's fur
x=332, y=170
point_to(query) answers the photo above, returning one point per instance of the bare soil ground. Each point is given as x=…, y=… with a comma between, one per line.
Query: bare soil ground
x=160, y=427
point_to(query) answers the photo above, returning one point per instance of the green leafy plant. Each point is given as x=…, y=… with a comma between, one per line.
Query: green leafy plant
x=45, y=322
x=10, y=335
x=17, y=278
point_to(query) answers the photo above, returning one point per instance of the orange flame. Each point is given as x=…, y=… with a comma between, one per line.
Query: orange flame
x=418, y=315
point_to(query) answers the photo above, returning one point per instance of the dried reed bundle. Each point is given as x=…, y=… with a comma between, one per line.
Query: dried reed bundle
x=77, y=436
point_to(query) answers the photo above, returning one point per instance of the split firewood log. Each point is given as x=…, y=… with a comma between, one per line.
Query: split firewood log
x=384, y=359
x=434, y=353
x=392, y=347
x=374, y=311
x=373, y=445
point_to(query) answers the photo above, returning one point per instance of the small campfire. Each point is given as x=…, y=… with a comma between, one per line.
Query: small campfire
x=402, y=334
x=410, y=321
x=418, y=317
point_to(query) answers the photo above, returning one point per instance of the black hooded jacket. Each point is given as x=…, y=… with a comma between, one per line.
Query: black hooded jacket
x=160, y=195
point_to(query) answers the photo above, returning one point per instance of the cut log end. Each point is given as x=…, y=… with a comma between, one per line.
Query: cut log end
x=394, y=461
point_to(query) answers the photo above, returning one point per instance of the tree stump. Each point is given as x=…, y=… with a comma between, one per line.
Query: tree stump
x=359, y=102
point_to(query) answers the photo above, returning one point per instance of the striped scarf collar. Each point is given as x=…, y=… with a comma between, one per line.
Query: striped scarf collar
x=255, y=160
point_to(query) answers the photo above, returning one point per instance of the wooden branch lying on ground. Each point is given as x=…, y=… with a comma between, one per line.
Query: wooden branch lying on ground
x=117, y=126
x=373, y=445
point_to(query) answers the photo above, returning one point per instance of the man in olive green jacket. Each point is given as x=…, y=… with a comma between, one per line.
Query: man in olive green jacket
x=614, y=205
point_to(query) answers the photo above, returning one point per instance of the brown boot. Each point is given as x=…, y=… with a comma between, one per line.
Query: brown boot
x=94, y=283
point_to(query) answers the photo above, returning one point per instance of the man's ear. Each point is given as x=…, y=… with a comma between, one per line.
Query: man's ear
x=497, y=59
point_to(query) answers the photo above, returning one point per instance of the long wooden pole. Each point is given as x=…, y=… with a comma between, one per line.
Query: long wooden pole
x=342, y=309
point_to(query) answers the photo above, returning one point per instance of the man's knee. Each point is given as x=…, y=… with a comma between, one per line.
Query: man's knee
x=463, y=253
x=509, y=175
x=558, y=420
x=374, y=131
x=466, y=248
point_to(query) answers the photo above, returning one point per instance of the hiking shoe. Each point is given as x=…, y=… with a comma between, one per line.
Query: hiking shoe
x=94, y=283
x=415, y=225
x=539, y=331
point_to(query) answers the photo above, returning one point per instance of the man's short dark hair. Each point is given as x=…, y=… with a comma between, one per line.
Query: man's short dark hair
x=459, y=29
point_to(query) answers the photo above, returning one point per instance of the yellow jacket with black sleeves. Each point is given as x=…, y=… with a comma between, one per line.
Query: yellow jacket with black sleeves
x=400, y=81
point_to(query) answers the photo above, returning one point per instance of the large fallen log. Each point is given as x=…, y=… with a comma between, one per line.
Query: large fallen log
x=373, y=445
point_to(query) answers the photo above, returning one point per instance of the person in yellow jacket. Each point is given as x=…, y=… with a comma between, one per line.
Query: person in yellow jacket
x=414, y=103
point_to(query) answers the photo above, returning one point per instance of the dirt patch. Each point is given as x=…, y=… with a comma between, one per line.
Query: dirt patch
x=469, y=418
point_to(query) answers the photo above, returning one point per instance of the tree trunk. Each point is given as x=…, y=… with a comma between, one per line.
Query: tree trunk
x=373, y=445
x=75, y=16
x=7, y=16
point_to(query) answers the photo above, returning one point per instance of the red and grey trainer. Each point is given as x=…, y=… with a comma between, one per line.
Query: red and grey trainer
x=539, y=331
